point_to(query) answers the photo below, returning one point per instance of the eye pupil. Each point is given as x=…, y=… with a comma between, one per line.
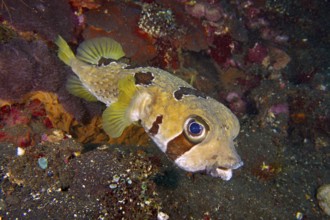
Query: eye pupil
x=195, y=128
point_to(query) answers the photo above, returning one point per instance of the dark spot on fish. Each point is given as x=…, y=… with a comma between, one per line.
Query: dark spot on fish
x=155, y=125
x=104, y=61
x=178, y=94
x=130, y=65
x=178, y=146
x=214, y=157
x=143, y=78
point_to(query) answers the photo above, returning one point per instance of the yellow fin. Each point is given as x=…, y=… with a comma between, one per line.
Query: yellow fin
x=91, y=51
x=75, y=87
x=115, y=118
x=64, y=52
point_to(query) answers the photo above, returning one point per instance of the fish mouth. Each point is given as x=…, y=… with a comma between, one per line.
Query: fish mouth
x=225, y=173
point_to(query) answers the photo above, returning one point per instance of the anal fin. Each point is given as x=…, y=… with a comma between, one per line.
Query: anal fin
x=75, y=87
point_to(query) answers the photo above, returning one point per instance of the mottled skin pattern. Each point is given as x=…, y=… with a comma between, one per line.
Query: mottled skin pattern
x=101, y=81
x=215, y=154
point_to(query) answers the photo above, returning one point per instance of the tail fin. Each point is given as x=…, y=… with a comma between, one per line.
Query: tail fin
x=64, y=53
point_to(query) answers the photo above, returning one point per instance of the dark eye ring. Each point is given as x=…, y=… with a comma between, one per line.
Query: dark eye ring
x=195, y=129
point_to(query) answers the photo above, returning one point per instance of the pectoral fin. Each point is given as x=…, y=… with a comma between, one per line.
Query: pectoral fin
x=75, y=87
x=115, y=118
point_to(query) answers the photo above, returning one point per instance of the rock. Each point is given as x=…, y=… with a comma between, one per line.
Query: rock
x=323, y=196
x=162, y=216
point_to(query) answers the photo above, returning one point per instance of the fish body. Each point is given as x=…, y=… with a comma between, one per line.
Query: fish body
x=194, y=130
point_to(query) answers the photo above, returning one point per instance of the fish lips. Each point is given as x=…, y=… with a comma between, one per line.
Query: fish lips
x=225, y=173
x=215, y=156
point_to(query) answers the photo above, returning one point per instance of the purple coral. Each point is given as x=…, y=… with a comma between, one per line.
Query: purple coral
x=282, y=108
x=27, y=67
x=236, y=103
x=197, y=10
x=203, y=9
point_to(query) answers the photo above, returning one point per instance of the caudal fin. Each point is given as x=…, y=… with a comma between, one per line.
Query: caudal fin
x=64, y=51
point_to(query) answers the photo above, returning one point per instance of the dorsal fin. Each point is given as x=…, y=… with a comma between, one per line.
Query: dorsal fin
x=115, y=118
x=92, y=50
x=75, y=87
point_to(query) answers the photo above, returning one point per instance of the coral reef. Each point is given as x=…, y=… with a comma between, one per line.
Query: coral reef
x=22, y=123
x=157, y=21
x=266, y=60
x=108, y=20
x=85, y=4
x=44, y=18
x=34, y=71
x=26, y=123
x=257, y=54
x=38, y=69
x=222, y=50
x=156, y=41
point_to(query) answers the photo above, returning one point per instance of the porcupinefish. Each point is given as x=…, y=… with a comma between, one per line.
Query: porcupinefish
x=194, y=130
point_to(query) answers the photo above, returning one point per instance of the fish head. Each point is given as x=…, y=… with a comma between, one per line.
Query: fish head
x=198, y=133
x=212, y=149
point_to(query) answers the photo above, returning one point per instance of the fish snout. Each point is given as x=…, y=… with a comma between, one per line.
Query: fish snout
x=225, y=171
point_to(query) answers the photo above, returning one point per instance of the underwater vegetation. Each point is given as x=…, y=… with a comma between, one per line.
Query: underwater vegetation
x=265, y=60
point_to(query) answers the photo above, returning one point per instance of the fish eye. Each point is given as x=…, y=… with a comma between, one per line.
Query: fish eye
x=195, y=129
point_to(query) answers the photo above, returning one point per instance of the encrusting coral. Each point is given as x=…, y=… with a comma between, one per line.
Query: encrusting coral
x=59, y=118
x=45, y=18
x=32, y=66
